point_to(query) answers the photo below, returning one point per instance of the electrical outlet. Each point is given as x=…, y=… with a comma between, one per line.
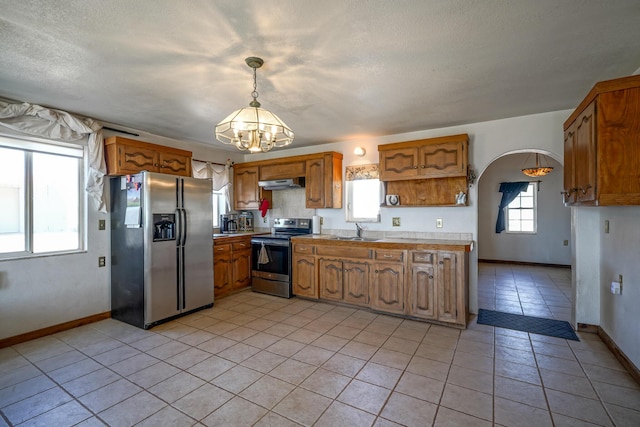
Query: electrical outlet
x=102, y=261
x=102, y=224
x=606, y=226
x=439, y=223
x=264, y=220
x=395, y=221
x=321, y=221
x=565, y=243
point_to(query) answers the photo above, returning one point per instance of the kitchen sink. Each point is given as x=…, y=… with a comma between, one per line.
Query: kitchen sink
x=357, y=239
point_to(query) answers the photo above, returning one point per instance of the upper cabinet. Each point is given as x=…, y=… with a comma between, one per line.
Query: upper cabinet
x=602, y=146
x=322, y=173
x=125, y=156
x=426, y=172
x=426, y=158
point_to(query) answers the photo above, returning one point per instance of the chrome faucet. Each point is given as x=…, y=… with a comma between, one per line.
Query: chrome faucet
x=358, y=230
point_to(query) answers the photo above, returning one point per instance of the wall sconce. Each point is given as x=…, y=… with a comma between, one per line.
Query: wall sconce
x=359, y=151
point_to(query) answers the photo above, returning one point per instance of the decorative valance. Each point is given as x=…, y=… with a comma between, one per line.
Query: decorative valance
x=356, y=173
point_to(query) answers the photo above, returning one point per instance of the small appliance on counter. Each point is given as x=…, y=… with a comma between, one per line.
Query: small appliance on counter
x=229, y=223
x=245, y=222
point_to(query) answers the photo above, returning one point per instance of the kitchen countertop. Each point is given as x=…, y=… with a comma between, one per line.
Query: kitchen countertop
x=389, y=242
x=245, y=233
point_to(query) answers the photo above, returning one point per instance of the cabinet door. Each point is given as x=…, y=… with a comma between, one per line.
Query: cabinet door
x=314, y=184
x=246, y=193
x=399, y=164
x=387, y=281
x=443, y=160
x=132, y=159
x=585, y=154
x=569, y=193
x=304, y=276
x=221, y=270
x=330, y=279
x=355, y=280
x=423, y=291
x=174, y=164
x=241, y=268
x=449, y=297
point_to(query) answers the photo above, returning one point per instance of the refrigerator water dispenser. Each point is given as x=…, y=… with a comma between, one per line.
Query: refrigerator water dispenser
x=164, y=226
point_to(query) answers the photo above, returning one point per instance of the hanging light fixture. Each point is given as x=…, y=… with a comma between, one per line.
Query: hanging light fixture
x=538, y=170
x=253, y=128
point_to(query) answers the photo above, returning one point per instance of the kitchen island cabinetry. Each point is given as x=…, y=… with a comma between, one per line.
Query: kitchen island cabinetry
x=124, y=156
x=602, y=146
x=405, y=277
x=231, y=264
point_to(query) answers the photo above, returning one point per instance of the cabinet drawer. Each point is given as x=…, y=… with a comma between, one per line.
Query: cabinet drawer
x=389, y=255
x=226, y=247
x=422, y=257
x=302, y=248
x=238, y=246
x=344, y=251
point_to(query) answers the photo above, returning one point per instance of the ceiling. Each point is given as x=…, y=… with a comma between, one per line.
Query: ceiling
x=334, y=70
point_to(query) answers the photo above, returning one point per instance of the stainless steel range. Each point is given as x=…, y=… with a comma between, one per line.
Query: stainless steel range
x=271, y=256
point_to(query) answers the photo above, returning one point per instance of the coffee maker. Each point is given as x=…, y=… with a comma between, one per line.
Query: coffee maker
x=229, y=223
x=245, y=221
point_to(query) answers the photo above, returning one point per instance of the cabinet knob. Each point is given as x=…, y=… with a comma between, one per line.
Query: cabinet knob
x=388, y=256
x=415, y=167
x=441, y=262
x=422, y=166
x=430, y=277
x=376, y=271
x=585, y=189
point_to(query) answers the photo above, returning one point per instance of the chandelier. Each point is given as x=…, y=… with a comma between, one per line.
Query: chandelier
x=253, y=128
x=538, y=170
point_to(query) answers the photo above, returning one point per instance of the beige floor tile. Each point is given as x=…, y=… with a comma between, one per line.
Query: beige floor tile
x=329, y=342
x=16, y=392
x=578, y=407
x=382, y=328
x=410, y=333
x=606, y=360
x=469, y=378
x=513, y=342
x=319, y=326
x=167, y=416
x=304, y=336
x=210, y=368
x=515, y=355
x=356, y=322
x=510, y=413
x=292, y=371
x=167, y=350
x=221, y=327
x=267, y=391
x=365, y=396
x=133, y=364
x=69, y=413
x=153, y=374
x=216, y=345
x=420, y=387
x=90, y=382
x=35, y=405
x=379, y=375
x=516, y=371
x=345, y=332
x=359, y=350
x=262, y=340
x=408, y=411
x=109, y=395
x=238, y=352
x=326, y=383
x=237, y=379
x=567, y=383
x=428, y=368
x=276, y=316
x=260, y=324
x=624, y=416
x=202, y=401
x=561, y=351
x=235, y=413
x=345, y=365
x=479, y=336
x=468, y=401
x=132, y=410
x=521, y=392
x=558, y=364
x=178, y=331
x=60, y=361
x=564, y=421
x=450, y=418
x=281, y=330
x=74, y=371
x=432, y=352
x=188, y=358
x=475, y=347
x=402, y=345
x=286, y=347
x=393, y=359
x=473, y=362
x=620, y=396
x=175, y=387
x=240, y=334
x=383, y=422
x=264, y=361
x=302, y=406
x=272, y=419
x=313, y=355
x=339, y=414
x=371, y=338
x=611, y=376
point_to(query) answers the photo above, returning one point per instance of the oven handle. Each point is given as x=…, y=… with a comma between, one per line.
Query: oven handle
x=284, y=243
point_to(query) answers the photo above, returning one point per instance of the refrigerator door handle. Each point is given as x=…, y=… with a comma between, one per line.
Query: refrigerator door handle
x=178, y=275
x=184, y=226
x=179, y=227
x=184, y=290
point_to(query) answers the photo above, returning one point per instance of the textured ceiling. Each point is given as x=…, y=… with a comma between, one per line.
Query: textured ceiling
x=334, y=69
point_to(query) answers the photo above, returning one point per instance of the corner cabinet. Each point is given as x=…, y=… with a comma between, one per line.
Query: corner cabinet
x=602, y=146
x=426, y=172
x=124, y=156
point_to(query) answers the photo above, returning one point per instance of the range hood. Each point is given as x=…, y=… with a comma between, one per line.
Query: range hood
x=282, y=184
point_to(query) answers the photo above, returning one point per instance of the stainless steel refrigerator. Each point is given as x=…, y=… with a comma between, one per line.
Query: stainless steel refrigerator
x=161, y=247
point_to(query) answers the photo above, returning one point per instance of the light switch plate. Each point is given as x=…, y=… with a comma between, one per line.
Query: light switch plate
x=395, y=221
x=102, y=224
x=439, y=222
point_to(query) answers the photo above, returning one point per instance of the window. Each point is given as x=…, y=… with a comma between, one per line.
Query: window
x=521, y=212
x=362, y=193
x=40, y=195
x=219, y=206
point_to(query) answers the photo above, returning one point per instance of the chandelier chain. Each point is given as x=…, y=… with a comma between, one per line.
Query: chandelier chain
x=254, y=94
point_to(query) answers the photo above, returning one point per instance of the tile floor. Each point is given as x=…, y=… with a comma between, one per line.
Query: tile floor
x=529, y=290
x=266, y=361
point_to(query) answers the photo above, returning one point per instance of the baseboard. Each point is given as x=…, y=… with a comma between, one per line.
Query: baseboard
x=17, y=339
x=585, y=327
x=533, y=264
x=619, y=354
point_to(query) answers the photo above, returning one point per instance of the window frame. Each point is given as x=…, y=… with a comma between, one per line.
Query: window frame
x=29, y=146
x=349, y=202
x=220, y=197
x=534, y=186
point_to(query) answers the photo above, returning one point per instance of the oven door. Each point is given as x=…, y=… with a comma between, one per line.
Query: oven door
x=270, y=267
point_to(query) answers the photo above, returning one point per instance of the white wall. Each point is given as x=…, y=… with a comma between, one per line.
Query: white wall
x=553, y=219
x=39, y=292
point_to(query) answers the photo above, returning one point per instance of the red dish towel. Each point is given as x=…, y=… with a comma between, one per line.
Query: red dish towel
x=264, y=206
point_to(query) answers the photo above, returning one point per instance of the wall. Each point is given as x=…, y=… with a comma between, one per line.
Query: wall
x=553, y=220
x=488, y=141
x=39, y=292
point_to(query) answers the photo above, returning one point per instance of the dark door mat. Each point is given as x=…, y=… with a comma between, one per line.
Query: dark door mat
x=535, y=325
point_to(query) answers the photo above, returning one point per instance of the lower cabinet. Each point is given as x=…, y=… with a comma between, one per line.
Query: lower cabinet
x=387, y=287
x=304, y=276
x=346, y=281
x=231, y=265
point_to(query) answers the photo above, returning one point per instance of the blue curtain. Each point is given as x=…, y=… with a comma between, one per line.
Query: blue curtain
x=510, y=191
